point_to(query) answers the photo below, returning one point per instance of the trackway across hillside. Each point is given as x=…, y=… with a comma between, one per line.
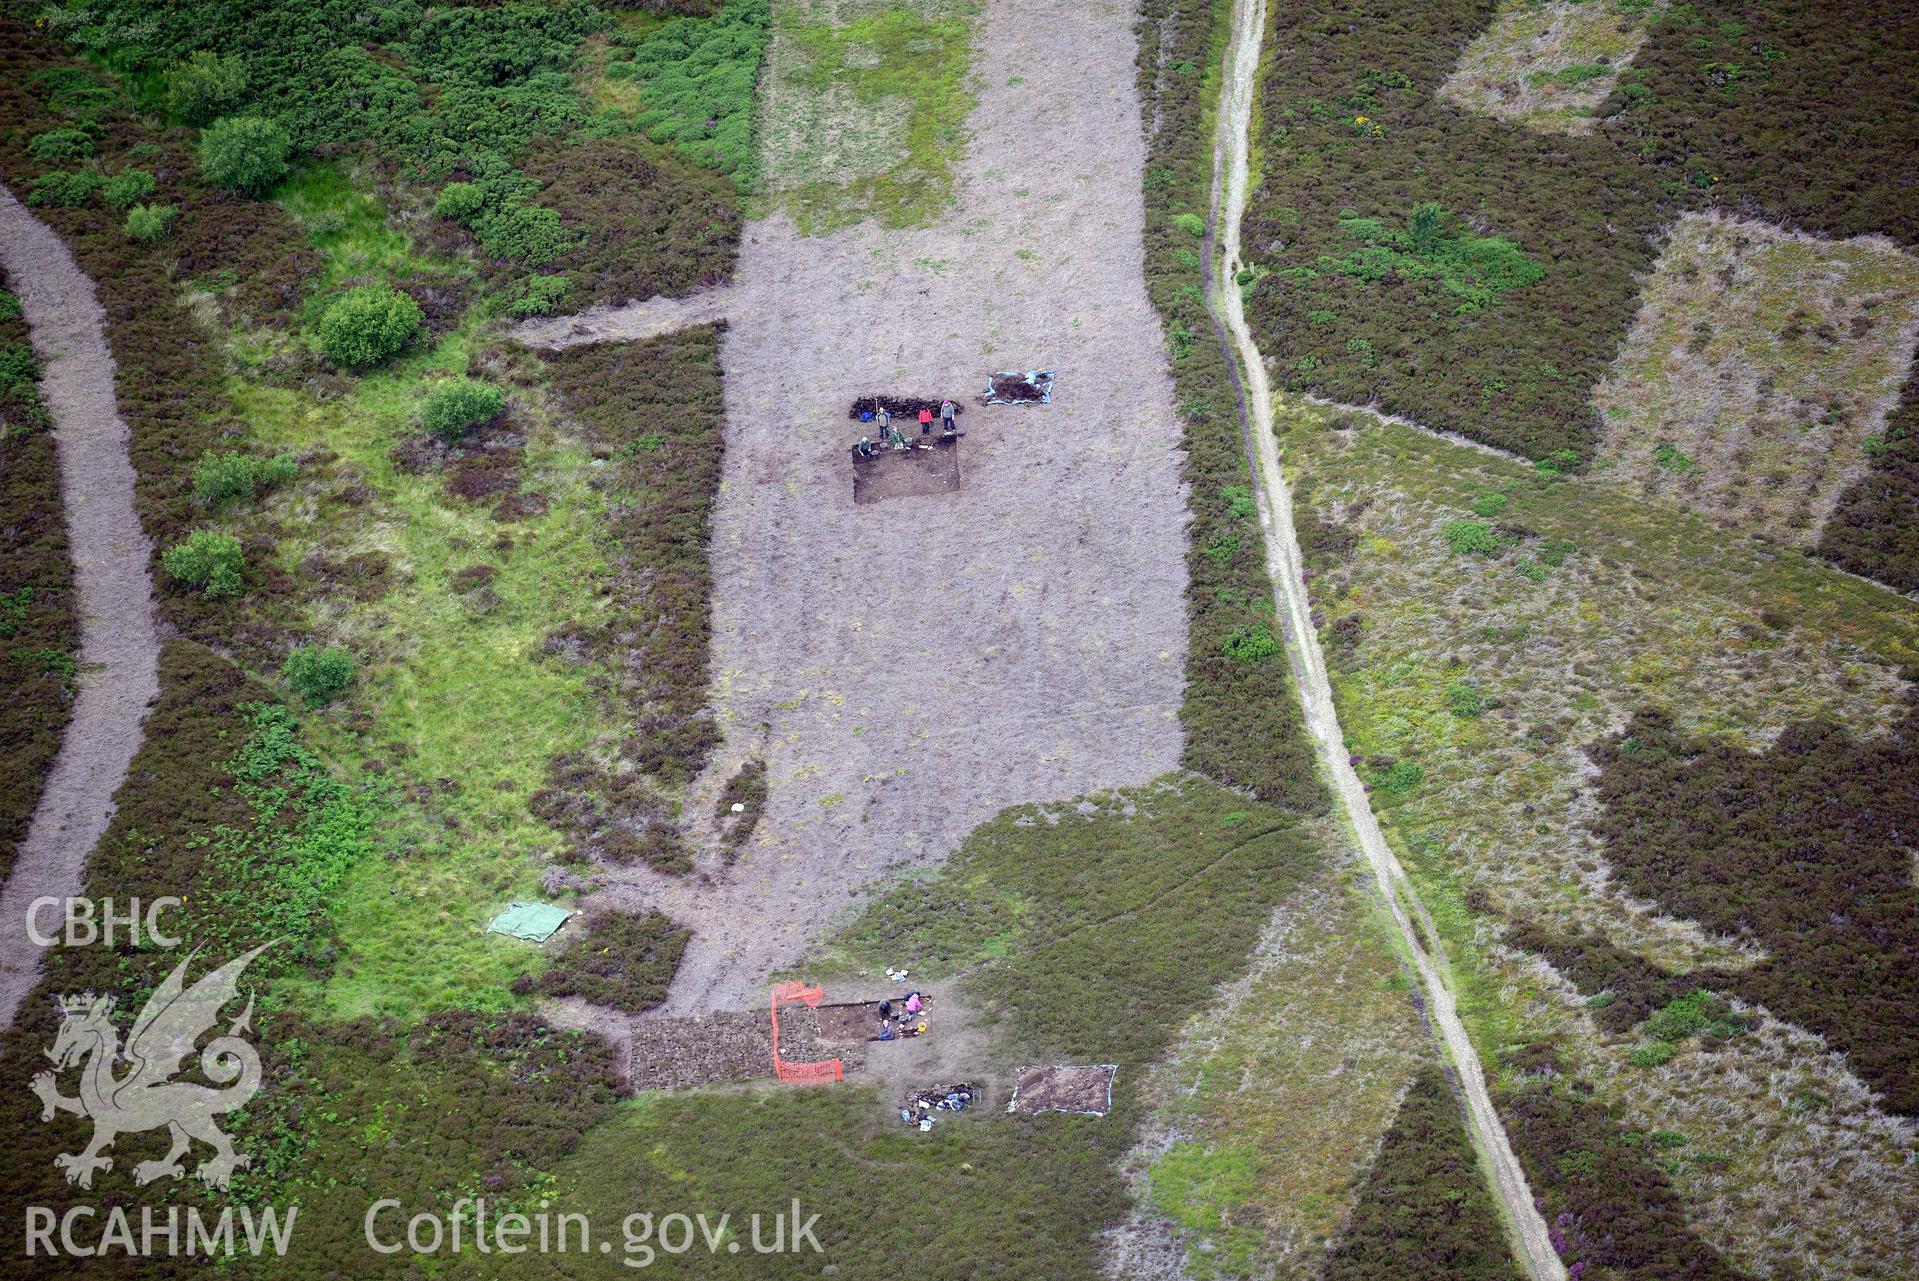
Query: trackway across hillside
x=1286, y=563
x=119, y=649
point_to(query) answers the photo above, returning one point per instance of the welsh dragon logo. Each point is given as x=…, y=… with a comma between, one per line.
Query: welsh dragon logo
x=131, y=1090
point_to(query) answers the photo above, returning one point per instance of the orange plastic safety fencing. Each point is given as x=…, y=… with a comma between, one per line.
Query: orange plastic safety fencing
x=800, y=1073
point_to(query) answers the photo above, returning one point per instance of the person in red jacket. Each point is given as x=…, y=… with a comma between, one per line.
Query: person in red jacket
x=926, y=420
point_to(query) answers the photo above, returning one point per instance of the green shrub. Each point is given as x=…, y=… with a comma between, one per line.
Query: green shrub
x=1490, y=504
x=219, y=477
x=456, y=408
x=460, y=201
x=1190, y=223
x=204, y=86
x=65, y=189
x=1465, y=701
x=1435, y=248
x=208, y=560
x=127, y=188
x=1401, y=778
x=318, y=675
x=244, y=153
x=61, y=144
x=1250, y=644
x=1656, y=1054
x=699, y=77
x=147, y=223
x=541, y=296
x=368, y=325
x=1471, y=537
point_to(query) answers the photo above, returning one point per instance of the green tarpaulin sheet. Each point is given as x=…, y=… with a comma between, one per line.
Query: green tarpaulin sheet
x=533, y=921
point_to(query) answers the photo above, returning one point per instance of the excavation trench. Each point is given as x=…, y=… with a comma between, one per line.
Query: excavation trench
x=1286, y=564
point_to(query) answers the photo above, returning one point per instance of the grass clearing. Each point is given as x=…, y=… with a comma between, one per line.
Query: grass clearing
x=1549, y=65
x=1087, y=932
x=1757, y=380
x=1062, y=917
x=453, y=701
x=864, y=108
x=1271, y=1105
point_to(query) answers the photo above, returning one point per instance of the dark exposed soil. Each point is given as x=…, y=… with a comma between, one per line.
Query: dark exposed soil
x=904, y=408
x=1018, y=387
x=914, y=472
x=856, y=1021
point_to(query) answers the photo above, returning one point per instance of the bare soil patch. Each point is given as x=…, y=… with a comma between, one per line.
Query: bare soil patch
x=1087, y=1089
x=918, y=471
x=1028, y=640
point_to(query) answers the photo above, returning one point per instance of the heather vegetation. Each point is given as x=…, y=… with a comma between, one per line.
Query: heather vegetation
x=1479, y=687
x=1737, y=107
x=1423, y=1210
x=38, y=628
x=1241, y=719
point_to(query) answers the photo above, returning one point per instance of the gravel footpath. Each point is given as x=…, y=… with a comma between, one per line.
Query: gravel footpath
x=910, y=668
x=1286, y=563
x=118, y=644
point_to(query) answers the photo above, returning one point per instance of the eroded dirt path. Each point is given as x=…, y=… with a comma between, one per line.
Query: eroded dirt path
x=118, y=645
x=912, y=667
x=1286, y=564
x=629, y=321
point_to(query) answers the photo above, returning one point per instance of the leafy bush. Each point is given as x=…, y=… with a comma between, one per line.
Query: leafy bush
x=1434, y=248
x=368, y=325
x=1464, y=700
x=1652, y=1054
x=65, y=190
x=244, y=153
x=1471, y=537
x=208, y=560
x=127, y=188
x=540, y=296
x=1190, y=223
x=205, y=86
x=147, y=223
x=1253, y=644
x=698, y=78
x=220, y=477
x=460, y=201
x=61, y=144
x=318, y=675
x=453, y=409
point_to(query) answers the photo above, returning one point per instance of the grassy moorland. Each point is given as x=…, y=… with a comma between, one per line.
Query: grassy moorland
x=1477, y=275
x=374, y=526
x=1551, y=684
